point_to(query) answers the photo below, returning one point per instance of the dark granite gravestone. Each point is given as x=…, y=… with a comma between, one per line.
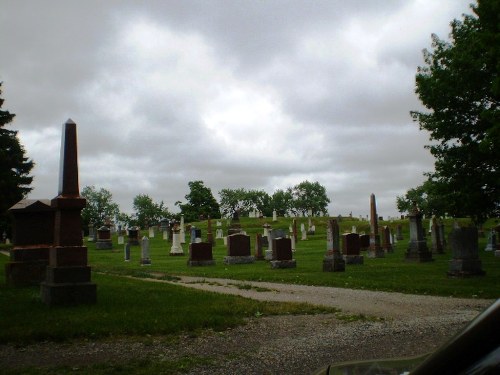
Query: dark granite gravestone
x=282, y=253
x=364, y=242
x=417, y=247
x=464, y=248
x=351, y=248
x=333, y=260
x=375, y=250
x=126, y=252
x=259, y=255
x=33, y=235
x=386, y=239
x=200, y=254
x=68, y=276
x=235, y=226
x=238, y=249
x=133, y=236
x=103, y=239
x=436, y=244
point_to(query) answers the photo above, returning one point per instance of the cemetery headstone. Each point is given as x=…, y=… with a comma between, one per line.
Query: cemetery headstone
x=259, y=255
x=465, y=254
x=103, y=239
x=282, y=253
x=312, y=230
x=351, y=247
x=275, y=215
x=375, y=250
x=386, y=239
x=126, y=252
x=333, y=260
x=235, y=226
x=436, y=245
x=200, y=254
x=210, y=237
x=364, y=242
x=399, y=232
x=33, y=235
x=133, y=236
x=145, y=258
x=68, y=277
x=417, y=247
x=238, y=249
x=151, y=232
x=176, y=249
x=491, y=245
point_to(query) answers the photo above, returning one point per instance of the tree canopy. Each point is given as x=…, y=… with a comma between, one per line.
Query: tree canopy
x=460, y=87
x=310, y=196
x=15, y=168
x=147, y=212
x=99, y=207
x=200, y=203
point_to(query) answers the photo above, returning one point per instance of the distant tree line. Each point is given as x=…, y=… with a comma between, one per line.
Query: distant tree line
x=200, y=204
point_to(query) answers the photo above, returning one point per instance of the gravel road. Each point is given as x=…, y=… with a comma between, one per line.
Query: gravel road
x=407, y=325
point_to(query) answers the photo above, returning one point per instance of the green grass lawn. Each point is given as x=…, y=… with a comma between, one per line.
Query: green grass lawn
x=128, y=306
x=391, y=273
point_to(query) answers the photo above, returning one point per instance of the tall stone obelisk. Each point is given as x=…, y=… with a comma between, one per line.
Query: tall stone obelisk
x=375, y=250
x=68, y=276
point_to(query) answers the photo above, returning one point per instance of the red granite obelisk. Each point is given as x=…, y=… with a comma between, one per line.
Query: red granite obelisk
x=68, y=276
x=375, y=250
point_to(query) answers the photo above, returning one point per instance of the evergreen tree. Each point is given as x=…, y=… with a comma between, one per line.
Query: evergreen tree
x=15, y=168
x=200, y=203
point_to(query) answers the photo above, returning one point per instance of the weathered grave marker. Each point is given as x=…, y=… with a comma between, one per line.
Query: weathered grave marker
x=333, y=260
x=417, y=247
x=465, y=254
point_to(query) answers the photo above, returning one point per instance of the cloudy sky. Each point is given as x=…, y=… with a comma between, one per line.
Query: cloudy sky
x=259, y=94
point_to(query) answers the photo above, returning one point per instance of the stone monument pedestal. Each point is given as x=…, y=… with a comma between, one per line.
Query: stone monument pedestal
x=290, y=263
x=354, y=259
x=418, y=252
x=239, y=259
x=333, y=263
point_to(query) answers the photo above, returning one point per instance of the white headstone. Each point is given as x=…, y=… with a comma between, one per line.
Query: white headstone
x=176, y=248
x=275, y=216
x=151, y=232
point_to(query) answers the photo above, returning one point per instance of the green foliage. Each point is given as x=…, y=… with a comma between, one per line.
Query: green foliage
x=99, y=207
x=282, y=201
x=310, y=196
x=200, y=203
x=148, y=212
x=299, y=199
x=232, y=201
x=15, y=167
x=459, y=85
x=428, y=201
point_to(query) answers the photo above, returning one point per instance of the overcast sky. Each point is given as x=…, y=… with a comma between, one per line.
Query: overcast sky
x=256, y=94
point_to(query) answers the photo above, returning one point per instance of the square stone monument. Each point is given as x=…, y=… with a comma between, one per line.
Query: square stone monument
x=282, y=253
x=333, y=260
x=200, y=254
x=33, y=235
x=351, y=247
x=465, y=253
x=238, y=249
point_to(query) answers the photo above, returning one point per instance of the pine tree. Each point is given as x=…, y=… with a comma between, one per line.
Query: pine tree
x=15, y=167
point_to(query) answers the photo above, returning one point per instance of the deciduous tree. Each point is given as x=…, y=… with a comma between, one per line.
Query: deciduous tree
x=99, y=207
x=148, y=212
x=460, y=87
x=200, y=202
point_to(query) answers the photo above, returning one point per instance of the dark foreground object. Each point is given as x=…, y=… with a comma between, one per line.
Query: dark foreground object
x=474, y=351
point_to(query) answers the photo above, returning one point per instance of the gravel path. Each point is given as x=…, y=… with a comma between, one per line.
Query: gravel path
x=409, y=325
